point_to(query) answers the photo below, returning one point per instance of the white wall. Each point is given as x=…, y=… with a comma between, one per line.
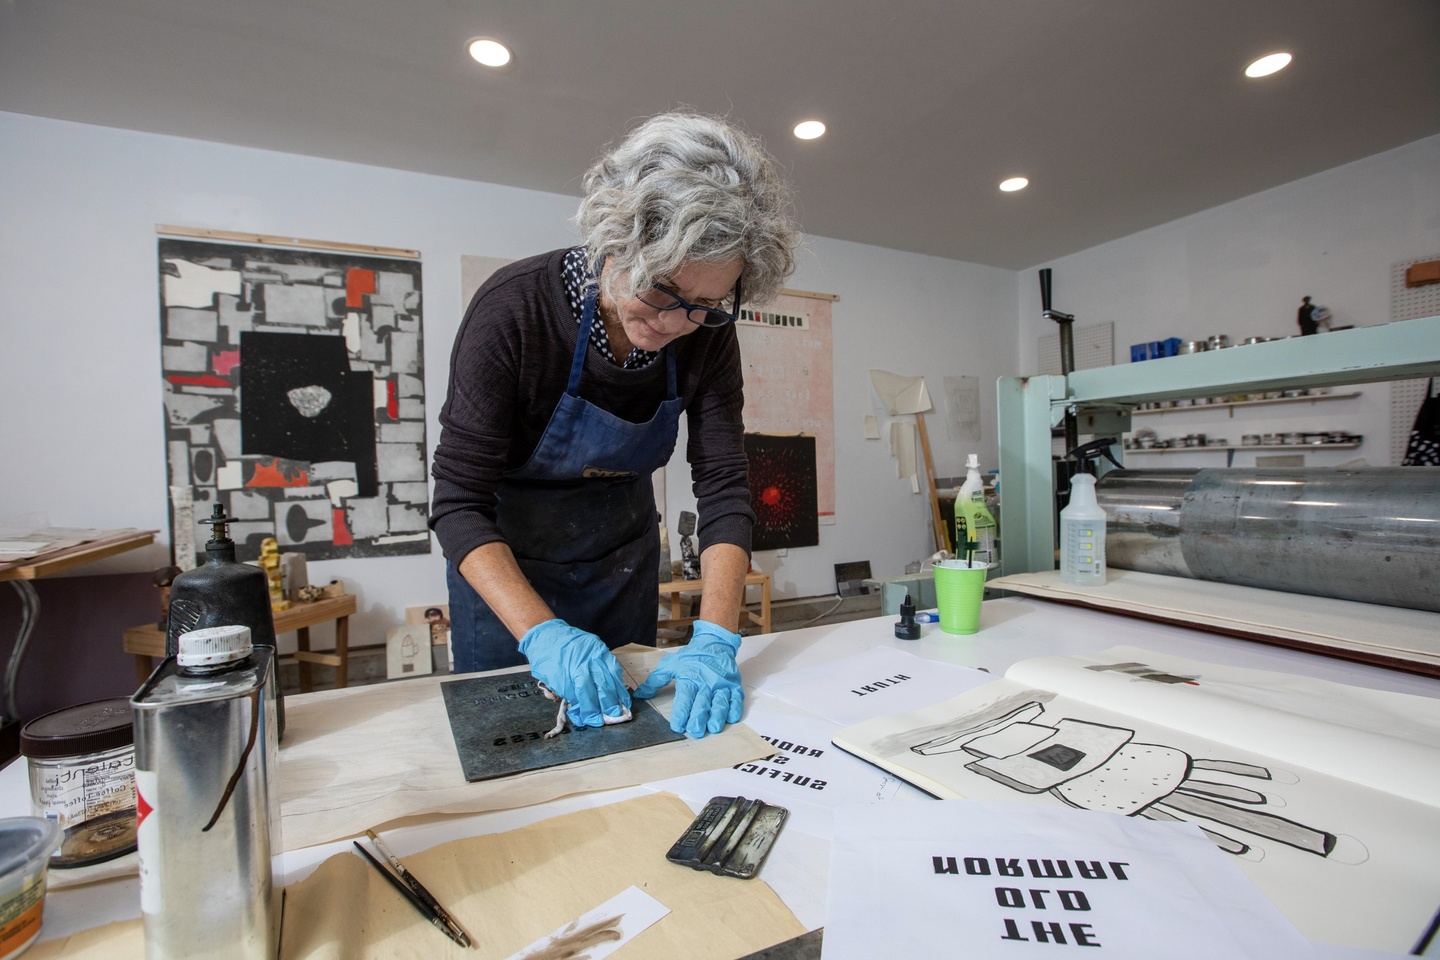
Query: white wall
x=1241, y=269
x=908, y=314
x=81, y=439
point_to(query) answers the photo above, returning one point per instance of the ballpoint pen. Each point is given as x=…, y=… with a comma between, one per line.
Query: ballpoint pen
x=456, y=932
x=415, y=901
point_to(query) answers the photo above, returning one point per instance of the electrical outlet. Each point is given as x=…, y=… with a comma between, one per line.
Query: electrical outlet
x=782, y=552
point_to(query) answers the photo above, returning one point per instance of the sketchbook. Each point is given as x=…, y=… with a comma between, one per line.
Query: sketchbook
x=1327, y=795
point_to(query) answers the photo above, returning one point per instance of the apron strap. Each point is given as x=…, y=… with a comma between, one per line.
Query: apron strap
x=582, y=340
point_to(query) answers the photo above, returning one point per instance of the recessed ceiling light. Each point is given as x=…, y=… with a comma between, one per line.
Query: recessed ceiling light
x=809, y=129
x=1013, y=184
x=492, y=53
x=1266, y=65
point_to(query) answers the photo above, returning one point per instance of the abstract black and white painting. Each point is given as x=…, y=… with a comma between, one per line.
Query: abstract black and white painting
x=294, y=398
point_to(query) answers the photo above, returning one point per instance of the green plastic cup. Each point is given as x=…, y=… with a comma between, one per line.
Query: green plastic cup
x=959, y=588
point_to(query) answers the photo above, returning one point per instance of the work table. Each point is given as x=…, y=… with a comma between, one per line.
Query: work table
x=1011, y=630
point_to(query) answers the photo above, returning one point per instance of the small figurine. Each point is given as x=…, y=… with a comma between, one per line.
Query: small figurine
x=689, y=559
x=270, y=563
x=1305, y=316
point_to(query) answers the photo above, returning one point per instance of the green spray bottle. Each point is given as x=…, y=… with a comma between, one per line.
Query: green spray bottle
x=974, y=524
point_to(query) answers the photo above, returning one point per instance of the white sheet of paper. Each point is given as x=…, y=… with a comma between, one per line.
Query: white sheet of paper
x=902, y=448
x=877, y=682
x=1010, y=880
x=901, y=394
x=962, y=402
x=806, y=775
x=872, y=427
x=593, y=935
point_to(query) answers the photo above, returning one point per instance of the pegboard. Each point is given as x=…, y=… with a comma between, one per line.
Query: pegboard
x=1094, y=347
x=1410, y=303
x=1405, y=399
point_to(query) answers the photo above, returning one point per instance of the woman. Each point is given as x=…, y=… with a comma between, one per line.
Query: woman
x=567, y=381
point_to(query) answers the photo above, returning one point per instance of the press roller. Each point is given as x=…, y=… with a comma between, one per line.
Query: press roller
x=1370, y=534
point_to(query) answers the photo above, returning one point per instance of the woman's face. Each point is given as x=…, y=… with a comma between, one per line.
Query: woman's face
x=705, y=284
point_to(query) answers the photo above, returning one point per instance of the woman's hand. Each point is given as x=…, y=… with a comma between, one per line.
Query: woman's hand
x=707, y=681
x=579, y=668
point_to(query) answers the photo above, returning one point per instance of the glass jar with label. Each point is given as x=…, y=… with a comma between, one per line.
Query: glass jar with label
x=82, y=777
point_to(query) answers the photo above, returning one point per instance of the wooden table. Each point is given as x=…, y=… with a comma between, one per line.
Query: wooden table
x=148, y=640
x=21, y=572
x=673, y=589
x=56, y=561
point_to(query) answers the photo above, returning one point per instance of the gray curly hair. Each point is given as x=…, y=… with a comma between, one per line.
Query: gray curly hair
x=686, y=187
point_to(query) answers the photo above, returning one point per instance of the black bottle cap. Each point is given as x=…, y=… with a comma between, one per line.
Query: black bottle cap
x=906, y=628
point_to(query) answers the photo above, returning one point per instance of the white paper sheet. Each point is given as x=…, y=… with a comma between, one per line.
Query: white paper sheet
x=880, y=681
x=1005, y=880
x=962, y=402
x=900, y=393
x=600, y=932
x=806, y=775
x=902, y=448
x=1349, y=859
x=1385, y=740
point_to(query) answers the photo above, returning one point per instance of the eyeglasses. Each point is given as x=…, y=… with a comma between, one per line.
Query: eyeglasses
x=663, y=300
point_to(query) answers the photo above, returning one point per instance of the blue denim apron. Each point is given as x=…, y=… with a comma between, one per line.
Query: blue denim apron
x=580, y=518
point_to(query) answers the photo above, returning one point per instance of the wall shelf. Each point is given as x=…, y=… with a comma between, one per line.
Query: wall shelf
x=1243, y=403
x=1253, y=446
x=1102, y=401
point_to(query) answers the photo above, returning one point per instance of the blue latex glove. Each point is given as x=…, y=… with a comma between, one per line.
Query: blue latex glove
x=578, y=667
x=707, y=681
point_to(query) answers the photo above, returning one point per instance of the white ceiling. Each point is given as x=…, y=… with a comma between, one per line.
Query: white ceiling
x=1124, y=114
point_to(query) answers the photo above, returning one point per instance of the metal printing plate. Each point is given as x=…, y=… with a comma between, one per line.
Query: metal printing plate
x=499, y=724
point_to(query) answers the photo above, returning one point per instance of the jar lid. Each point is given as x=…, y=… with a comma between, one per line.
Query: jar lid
x=74, y=731
x=26, y=844
x=214, y=646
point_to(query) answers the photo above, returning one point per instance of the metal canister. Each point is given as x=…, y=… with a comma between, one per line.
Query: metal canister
x=206, y=759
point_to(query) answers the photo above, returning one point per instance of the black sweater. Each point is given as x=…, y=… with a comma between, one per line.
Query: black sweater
x=508, y=370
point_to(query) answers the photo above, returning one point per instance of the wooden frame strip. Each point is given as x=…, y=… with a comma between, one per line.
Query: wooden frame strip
x=264, y=239
x=832, y=297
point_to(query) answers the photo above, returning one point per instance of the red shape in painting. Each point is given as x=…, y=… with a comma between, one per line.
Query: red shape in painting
x=357, y=284
x=341, y=535
x=392, y=400
x=269, y=473
x=225, y=361
x=203, y=380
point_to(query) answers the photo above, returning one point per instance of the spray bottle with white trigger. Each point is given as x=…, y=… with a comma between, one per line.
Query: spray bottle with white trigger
x=1082, y=523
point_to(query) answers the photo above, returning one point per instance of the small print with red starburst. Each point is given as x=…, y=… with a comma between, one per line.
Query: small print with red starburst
x=783, y=491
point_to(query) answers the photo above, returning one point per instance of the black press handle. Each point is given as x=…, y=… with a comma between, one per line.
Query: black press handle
x=1045, y=289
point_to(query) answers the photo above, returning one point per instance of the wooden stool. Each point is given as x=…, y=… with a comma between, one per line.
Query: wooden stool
x=673, y=589
x=149, y=640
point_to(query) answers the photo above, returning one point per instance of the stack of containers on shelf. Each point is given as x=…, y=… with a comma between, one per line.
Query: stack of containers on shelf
x=974, y=524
